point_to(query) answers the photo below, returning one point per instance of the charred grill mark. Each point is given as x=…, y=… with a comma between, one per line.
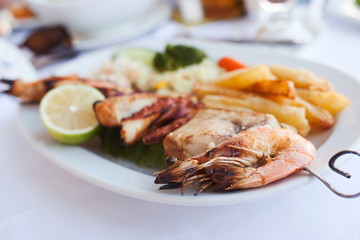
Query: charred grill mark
x=162, y=111
x=169, y=114
x=244, y=127
x=257, y=123
x=7, y=81
x=208, y=153
x=96, y=102
x=50, y=84
x=221, y=173
x=149, y=110
x=234, y=152
x=109, y=92
x=262, y=161
x=182, y=107
x=145, y=127
x=160, y=133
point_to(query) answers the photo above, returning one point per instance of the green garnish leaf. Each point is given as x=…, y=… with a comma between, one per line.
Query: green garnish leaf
x=152, y=156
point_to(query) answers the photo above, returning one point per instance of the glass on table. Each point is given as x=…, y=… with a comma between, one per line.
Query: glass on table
x=277, y=21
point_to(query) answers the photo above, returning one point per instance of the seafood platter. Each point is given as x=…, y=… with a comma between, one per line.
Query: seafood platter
x=171, y=120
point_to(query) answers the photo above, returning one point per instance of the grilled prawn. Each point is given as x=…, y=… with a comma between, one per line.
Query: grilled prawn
x=34, y=91
x=252, y=158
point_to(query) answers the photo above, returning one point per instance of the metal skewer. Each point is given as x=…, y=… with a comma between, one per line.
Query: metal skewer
x=331, y=165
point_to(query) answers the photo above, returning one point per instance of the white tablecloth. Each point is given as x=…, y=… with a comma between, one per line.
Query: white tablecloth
x=41, y=201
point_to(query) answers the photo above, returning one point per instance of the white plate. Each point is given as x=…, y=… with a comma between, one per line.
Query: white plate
x=122, y=32
x=344, y=9
x=99, y=170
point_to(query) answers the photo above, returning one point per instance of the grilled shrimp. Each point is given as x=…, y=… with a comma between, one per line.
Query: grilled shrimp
x=252, y=158
x=34, y=91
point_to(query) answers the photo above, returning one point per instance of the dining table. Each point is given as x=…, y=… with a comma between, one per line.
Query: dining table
x=43, y=200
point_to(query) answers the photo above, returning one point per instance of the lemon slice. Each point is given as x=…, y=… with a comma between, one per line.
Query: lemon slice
x=67, y=113
x=143, y=55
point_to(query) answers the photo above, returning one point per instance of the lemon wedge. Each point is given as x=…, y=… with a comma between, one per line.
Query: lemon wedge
x=67, y=113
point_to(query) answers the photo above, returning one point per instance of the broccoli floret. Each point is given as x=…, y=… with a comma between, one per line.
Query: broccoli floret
x=177, y=56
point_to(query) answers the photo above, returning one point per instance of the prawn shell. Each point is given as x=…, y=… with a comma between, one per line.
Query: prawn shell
x=252, y=158
x=294, y=152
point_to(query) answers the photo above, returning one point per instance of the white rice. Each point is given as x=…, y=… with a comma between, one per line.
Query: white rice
x=127, y=73
x=122, y=72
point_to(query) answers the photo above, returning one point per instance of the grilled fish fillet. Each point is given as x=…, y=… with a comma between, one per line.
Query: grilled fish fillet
x=112, y=110
x=210, y=127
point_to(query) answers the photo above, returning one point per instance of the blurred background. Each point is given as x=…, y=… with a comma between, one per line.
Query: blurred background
x=53, y=30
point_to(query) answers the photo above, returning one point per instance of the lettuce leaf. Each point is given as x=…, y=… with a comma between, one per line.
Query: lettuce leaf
x=152, y=156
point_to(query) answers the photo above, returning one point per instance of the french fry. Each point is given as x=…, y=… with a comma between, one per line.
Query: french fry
x=316, y=115
x=213, y=102
x=331, y=101
x=297, y=98
x=230, y=99
x=287, y=126
x=274, y=87
x=201, y=90
x=243, y=78
x=301, y=78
